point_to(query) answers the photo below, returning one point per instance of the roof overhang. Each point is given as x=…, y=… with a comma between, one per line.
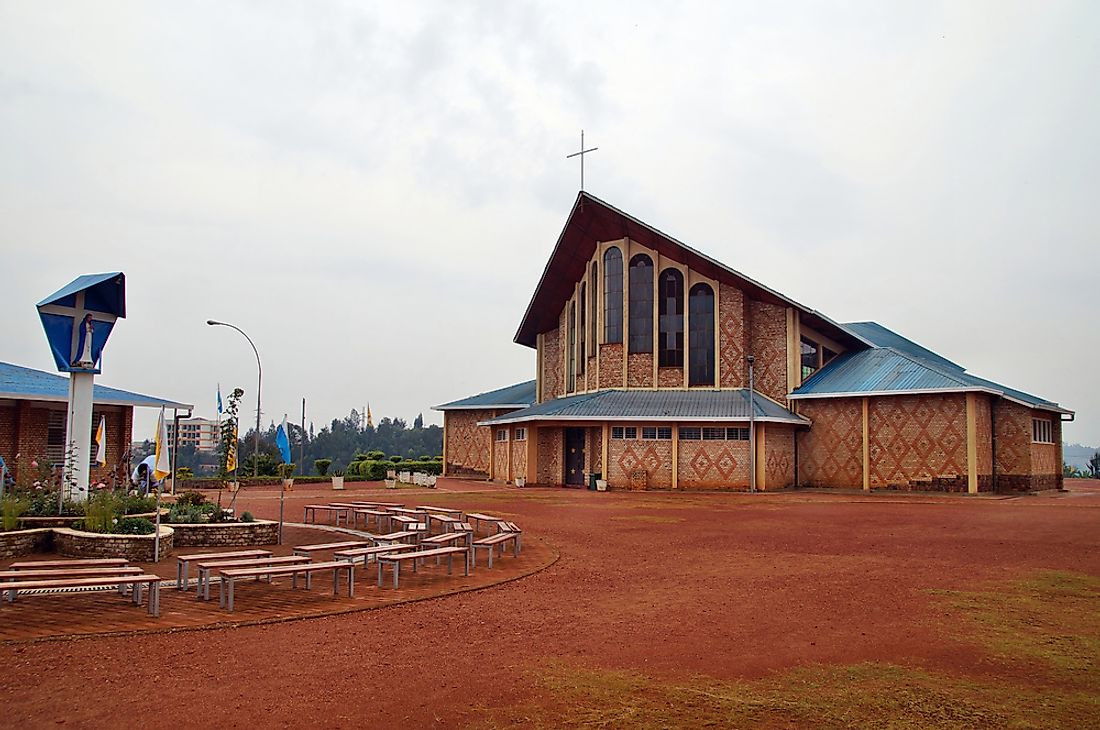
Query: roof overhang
x=1052, y=407
x=519, y=418
x=99, y=400
x=592, y=221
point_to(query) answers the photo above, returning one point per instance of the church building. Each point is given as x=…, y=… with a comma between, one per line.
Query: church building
x=658, y=367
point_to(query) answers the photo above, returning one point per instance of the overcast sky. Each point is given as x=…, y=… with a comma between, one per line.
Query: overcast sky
x=371, y=190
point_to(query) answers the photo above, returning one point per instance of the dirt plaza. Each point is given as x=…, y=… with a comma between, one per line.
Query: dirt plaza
x=650, y=609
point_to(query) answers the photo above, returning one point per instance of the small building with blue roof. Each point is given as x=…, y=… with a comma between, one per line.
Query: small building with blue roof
x=659, y=367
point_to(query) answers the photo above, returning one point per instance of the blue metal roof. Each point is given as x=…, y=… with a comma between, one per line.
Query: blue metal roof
x=20, y=383
x=879, y=336
x=890, y=371
x=519, y=395
x=655, y=405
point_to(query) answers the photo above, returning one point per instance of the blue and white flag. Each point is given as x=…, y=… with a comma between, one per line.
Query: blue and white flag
x=219, y=399
x=282, y=440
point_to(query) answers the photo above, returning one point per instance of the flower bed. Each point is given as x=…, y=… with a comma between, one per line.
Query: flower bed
x=218, y=534
x=81, y=544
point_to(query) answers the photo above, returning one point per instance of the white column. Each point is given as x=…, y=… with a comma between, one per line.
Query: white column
x=78, y=434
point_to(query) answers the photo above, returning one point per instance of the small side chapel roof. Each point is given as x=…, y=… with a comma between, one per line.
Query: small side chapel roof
x=593, y=220
x=20, y=383
x=519, y=395
x=682, y=406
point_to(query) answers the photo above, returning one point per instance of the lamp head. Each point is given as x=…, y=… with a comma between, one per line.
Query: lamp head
x=750, y=359
x=212, y=321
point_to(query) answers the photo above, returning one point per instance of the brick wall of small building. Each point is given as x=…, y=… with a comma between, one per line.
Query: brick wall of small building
x=593, y=450
x=1046, y=459
x=627, y=456
x=611, y=365
x=769, y=348
x=731, y=337
x=713, y=464
x=918, y=442
x=500, y=459
x=639, y=370
x=983, y=412
x=9, y=442
x=1013, y=446
x=519, y=457
x=778, y=456
x=24, y=431
x=550, y=450
x=830, y=453
x=468, y=445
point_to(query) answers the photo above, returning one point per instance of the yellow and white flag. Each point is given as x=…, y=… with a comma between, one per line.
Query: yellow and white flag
x=101, y=442
x=231, y=451
x=162, y=465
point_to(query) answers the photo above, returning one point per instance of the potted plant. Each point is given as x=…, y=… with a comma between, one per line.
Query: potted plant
x=391, y=484
x=286, y=472
x=601, y=485
x=337, y=479
x=520, y=481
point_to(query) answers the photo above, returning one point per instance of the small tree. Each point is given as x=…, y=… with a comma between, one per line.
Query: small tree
x=229, y=441
x=322, y=465
x=1094, y=465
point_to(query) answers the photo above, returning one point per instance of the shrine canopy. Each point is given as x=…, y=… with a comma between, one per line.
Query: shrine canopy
x=88, y=305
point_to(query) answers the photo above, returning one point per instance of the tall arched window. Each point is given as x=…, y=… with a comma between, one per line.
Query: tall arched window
x=641, y=304
x=581, y=329
x=572, y=357
x=671, y=319
x=701, y=335
x=593, y=303
x=613, y=295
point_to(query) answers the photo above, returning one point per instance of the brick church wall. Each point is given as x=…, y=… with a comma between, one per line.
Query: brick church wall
x=769, y=347
x=983, y=412
x=713, y=464
x=639, y=370
x=590, y=375
x=1046, y=459
x=24, y=430
x=550, y=450
x=9, y=444
x=731, y=337
x=519, y=457
x=611, y=365
x=626, y=456
x=1013, y=447
x=670, y=377
x=830, y=454
x=553, y=377
x=594, y=450
x=918, y=442
x=500, y=460
x=468, y=445
x=778, y=456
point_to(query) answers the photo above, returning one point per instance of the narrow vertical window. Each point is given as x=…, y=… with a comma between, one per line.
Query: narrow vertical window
x=593, y=303
x=701, y=335
x=671, y=319
x=641, y=304
x=583, y=298
x=613, y=295
x=572, y=346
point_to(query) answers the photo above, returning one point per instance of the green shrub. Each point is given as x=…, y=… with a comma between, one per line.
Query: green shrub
x=11, y=509
x=427, y=467
x=322, y=465
x=135, y=526
x=247, y=517
x=191, y=514
x=190, y=498
x=397, y=459
x=374, y=470
x=353, y=468
x=101, y=512
x=133, y=504
x=374, y=456
x=425, y=458
x=184, y=472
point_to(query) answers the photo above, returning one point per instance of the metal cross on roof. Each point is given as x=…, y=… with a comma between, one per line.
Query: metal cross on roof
x=581, y=154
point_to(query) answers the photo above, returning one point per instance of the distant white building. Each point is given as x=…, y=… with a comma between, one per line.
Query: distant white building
x=202, y=433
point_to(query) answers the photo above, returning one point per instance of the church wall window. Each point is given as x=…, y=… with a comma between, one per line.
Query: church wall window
x=810, y=357
x=572, y=357
x=613, y=295
x=671, y=319
x=583, y=298
x=701, y=336
x=641, y=304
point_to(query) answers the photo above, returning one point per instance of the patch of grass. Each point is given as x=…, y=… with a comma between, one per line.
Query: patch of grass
x=858, y=696
x=1052, y=617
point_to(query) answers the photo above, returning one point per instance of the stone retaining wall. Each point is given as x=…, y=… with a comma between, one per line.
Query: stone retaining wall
x=217, y=534
x=24, y=542
x=139, y=548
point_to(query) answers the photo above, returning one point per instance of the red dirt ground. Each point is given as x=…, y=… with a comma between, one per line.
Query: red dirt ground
x=726, y=585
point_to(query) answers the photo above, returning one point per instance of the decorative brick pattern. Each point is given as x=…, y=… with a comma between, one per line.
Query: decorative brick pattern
x=553, y=377
x=778, y=457
x=139, y=548
x=830, y=454
x=769, y=347
x=500, y=461
x=230, y=534
x=628, y=456
x=639, y=370
x=983, y=410
x=713, y=465
x=551, y=450
x=731, y=337
x=467, y=443
x=918, y=441
x=611, y=365
x=1013, y=455
x=670, y=377
x=590, y=375
x=594, y=449
x=519, y=457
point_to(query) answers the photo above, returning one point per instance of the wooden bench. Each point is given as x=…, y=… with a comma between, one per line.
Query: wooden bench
x=309, y=550
x=311, y=509
x=503, y=526
x=395, y=561
x=80, y=563
x=367, y=513
x=394, y=537
x=183, y=562
x=77, y=572
x=205, y=568
x=489, y=544
x=138, y=582
x=456, y=513
x=445, y=520
x=366, y=553
x=478, y=518
x=449, y=538
x=230, y=576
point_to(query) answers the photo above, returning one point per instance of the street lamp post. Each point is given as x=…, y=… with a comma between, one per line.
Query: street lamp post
x=259, y=383
x=752, y=425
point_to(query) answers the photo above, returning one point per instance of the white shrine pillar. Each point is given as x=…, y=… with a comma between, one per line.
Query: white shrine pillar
x=78, y=436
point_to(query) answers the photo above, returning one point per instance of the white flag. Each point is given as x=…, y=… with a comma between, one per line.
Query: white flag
x=162, y=466
x=101, y=442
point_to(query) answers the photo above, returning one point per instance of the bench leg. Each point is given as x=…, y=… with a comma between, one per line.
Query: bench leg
x=351, y=579
x=380, y=565
x=335, y=581
x=450, y=563
x=492, y=549
x=309, y=579
x=229, y=601
x=222, y=592
x=397, y=571
x=154, y=598
x=180, y=585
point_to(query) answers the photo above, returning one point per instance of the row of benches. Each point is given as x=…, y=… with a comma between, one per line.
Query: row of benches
x=59, y=575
